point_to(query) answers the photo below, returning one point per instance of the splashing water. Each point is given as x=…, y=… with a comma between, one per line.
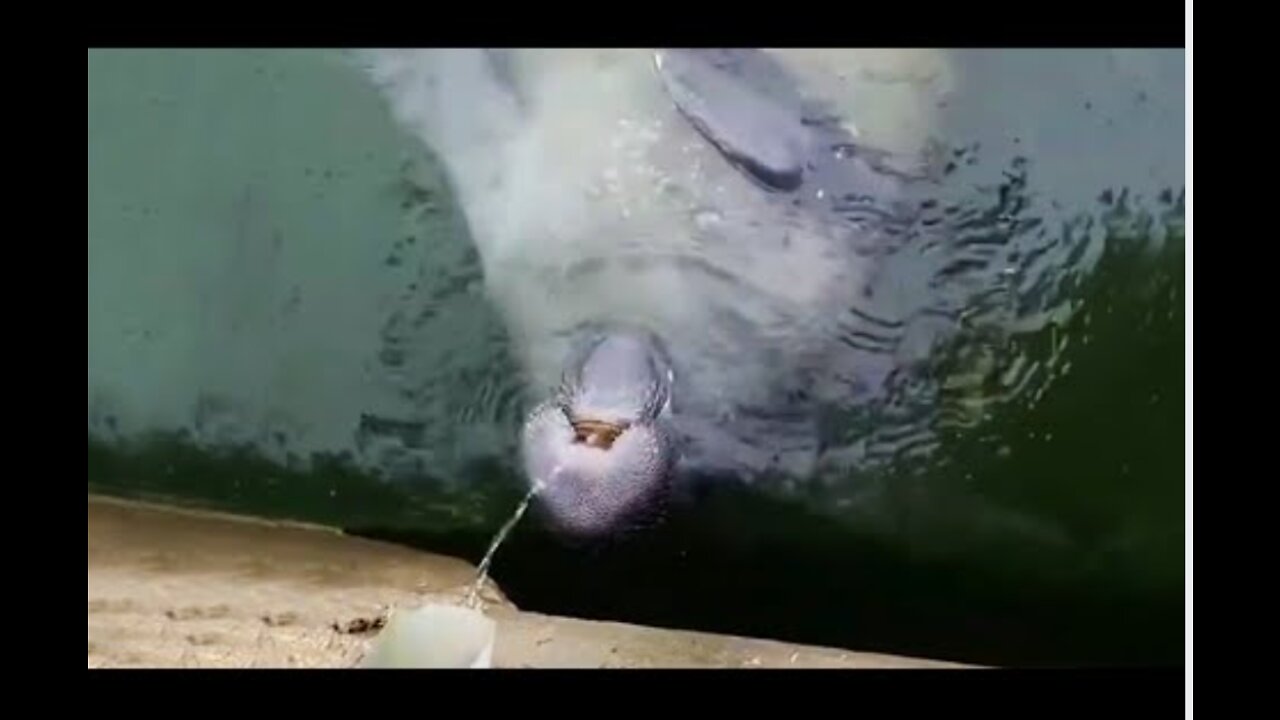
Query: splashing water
x=482, y=573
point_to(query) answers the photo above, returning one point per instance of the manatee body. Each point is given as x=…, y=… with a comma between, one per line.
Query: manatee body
x=675, y=239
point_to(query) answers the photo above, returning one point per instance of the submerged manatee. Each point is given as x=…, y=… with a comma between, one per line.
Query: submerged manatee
x=674, y=239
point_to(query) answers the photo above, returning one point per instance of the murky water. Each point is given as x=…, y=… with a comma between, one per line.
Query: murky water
x=287, y=316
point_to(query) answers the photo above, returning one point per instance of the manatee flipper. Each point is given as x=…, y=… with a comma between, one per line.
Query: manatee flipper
x=735, y=99
x=757, y=111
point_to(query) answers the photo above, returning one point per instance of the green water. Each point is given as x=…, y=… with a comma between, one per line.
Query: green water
x=286, y=318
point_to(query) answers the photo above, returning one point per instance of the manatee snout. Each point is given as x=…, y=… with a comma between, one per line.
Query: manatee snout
x=601, y=448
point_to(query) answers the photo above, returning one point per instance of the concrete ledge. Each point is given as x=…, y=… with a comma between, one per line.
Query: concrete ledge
x=177, y=588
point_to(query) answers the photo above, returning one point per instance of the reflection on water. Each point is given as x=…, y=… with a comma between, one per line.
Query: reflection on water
x=276, y=270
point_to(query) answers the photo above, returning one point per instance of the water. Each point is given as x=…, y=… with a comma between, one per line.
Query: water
x=287, y=317
x=482, y=572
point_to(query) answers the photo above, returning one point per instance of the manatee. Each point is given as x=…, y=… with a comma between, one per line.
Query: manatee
x=674, y=239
